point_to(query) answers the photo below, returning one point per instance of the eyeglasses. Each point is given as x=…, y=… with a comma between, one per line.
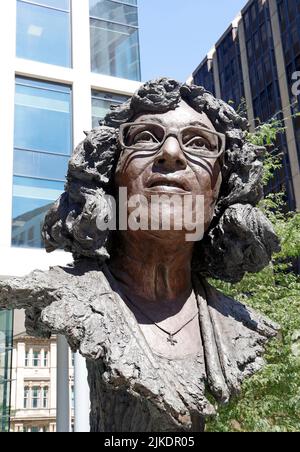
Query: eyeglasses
x=199, y=141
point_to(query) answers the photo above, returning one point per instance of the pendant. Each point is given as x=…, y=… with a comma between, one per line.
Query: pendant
x=172, y=340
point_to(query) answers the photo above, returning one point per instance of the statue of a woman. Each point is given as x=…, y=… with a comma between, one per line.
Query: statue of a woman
x=136, y=302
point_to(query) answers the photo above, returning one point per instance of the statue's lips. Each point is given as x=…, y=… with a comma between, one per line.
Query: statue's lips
x=167, y=184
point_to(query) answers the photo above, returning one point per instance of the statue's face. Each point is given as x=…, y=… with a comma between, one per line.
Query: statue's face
x=174, y=153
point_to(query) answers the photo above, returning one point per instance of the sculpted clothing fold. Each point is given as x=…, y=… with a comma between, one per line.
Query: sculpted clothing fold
x=133, y=389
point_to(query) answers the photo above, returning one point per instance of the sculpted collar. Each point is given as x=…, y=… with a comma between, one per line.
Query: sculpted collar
x=78, y=302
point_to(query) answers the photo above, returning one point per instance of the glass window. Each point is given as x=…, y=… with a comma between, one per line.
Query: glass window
x=114, y=39
x=38, y=164
x=35, y=397
x=30, y=235
x=247, y=20
x=46, y=359
x=72, y=398
x=115, y=50
x=253, y=12
x=256, y=41
x=58, y=4
x=42, y=117
x=101, y=103
x=130, y=2
x=32, y=198
x=43, y=33
x=27, y=364
x=43, y=144
x=114, y=12
x=26, y=397
x=45, y=397
x=36, y=359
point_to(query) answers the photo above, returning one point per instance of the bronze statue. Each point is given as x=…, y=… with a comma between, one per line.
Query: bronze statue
x=136, y=303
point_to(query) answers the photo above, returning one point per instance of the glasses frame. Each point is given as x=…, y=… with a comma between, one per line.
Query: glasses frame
x=168, y=132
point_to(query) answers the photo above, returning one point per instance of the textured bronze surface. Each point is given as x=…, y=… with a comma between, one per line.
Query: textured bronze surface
x=137, y=304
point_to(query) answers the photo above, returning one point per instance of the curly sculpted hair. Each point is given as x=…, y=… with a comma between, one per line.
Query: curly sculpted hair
x=240, y=238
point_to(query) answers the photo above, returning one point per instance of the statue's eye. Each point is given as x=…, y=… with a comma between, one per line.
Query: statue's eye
x=199, y=143
x=144, y=137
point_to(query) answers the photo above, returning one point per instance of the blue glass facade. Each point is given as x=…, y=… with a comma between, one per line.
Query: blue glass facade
x=265, y=85
x=204, y=76
x=230, y=69
x=261, y=61
x=115, y=38
x=289, y=16
x=102, y=103
x=42, y=148
x=44, y=31
x=263, y=75
x=6, y=344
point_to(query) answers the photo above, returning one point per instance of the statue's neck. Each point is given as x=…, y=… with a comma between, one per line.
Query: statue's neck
x=152, y=268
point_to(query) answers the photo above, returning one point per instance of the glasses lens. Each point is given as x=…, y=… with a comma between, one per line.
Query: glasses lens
x=143, y=136
x=196, y=139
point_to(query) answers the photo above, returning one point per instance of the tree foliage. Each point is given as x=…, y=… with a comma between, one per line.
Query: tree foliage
x=270, y=401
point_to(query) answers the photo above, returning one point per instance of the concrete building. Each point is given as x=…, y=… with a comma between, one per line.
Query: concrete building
x=254, y=63
x=66, y=62
x=33, y=387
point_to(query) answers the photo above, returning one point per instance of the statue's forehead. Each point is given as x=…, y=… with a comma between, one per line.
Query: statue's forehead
x=183, y=115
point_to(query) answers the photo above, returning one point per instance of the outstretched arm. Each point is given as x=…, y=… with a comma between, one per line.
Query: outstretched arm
x=34, y=290
x=59, y=301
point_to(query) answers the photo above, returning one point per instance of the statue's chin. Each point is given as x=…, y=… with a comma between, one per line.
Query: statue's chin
x=171, y=235
x=167, y=221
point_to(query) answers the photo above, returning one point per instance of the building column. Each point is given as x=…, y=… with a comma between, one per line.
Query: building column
x=216, y=73
x=245, y=71
x=62, y=387
x=284, y=85
x=82, y=396
x=7, y=95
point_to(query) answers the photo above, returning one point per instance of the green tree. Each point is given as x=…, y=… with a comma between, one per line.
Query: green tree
x=270, y=401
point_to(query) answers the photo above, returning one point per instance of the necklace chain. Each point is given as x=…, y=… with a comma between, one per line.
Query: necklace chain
x=170, y=335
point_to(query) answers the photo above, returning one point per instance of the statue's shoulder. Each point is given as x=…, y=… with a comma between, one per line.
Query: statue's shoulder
x=233, y=339
x=79, y=272
x=231, y=309
x=75, y=301
x=40, y=288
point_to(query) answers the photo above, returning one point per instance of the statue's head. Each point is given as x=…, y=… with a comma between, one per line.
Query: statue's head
x=171, y=141
x=170, y=164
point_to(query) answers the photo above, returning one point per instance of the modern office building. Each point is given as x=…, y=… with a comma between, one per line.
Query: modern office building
x=252, y=65
x=64, y=63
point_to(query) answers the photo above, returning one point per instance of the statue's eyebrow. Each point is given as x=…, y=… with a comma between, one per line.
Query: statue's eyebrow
x=199, y=124
x=154, y=119
x=192, y=123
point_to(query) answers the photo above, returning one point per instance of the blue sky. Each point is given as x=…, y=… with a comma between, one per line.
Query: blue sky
x=175, y=35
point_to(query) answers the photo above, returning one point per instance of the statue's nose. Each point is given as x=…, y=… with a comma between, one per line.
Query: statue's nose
x=171, y=156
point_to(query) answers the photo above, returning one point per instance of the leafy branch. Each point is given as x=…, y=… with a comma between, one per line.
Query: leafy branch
x=270, y=401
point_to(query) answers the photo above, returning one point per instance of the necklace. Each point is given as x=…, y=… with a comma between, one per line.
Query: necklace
x=171, y=336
